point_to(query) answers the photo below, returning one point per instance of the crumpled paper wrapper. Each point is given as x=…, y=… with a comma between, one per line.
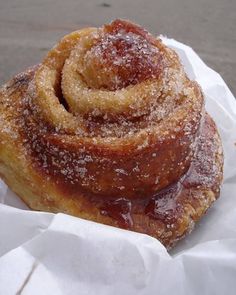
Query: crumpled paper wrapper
x=44, y=253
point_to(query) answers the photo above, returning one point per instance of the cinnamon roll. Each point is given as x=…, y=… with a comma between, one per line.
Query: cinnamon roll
x=110, y=128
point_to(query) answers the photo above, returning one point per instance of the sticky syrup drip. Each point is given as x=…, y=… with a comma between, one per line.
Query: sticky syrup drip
x=167, y=204
x=120, y=210
x=163, y=205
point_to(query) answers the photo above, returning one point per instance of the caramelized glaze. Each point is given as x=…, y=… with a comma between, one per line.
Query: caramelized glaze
x=167, y=204
x=109, y=128
x=130, y=142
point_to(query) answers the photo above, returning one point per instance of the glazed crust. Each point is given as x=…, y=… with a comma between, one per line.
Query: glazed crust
x=131, y=150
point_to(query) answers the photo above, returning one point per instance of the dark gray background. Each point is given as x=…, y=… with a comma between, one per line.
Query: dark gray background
x=29, y=28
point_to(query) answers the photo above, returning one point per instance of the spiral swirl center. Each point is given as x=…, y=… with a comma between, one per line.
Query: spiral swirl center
x=120, y=59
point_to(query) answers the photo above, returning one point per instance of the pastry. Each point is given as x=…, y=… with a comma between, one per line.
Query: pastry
x=110, y=128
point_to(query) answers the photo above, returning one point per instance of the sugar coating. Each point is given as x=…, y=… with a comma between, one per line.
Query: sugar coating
x=114, y=144
x=110, y=119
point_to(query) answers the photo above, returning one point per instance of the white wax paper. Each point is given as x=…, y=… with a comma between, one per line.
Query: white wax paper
x=44, y=253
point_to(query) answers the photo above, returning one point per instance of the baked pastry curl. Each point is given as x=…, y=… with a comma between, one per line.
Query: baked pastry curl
x=109, y=128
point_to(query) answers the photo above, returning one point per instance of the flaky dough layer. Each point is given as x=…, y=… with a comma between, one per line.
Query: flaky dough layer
x=109, y=128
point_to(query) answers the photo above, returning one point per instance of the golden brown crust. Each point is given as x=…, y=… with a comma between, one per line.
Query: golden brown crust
x=125, y=148
x=133, y=141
